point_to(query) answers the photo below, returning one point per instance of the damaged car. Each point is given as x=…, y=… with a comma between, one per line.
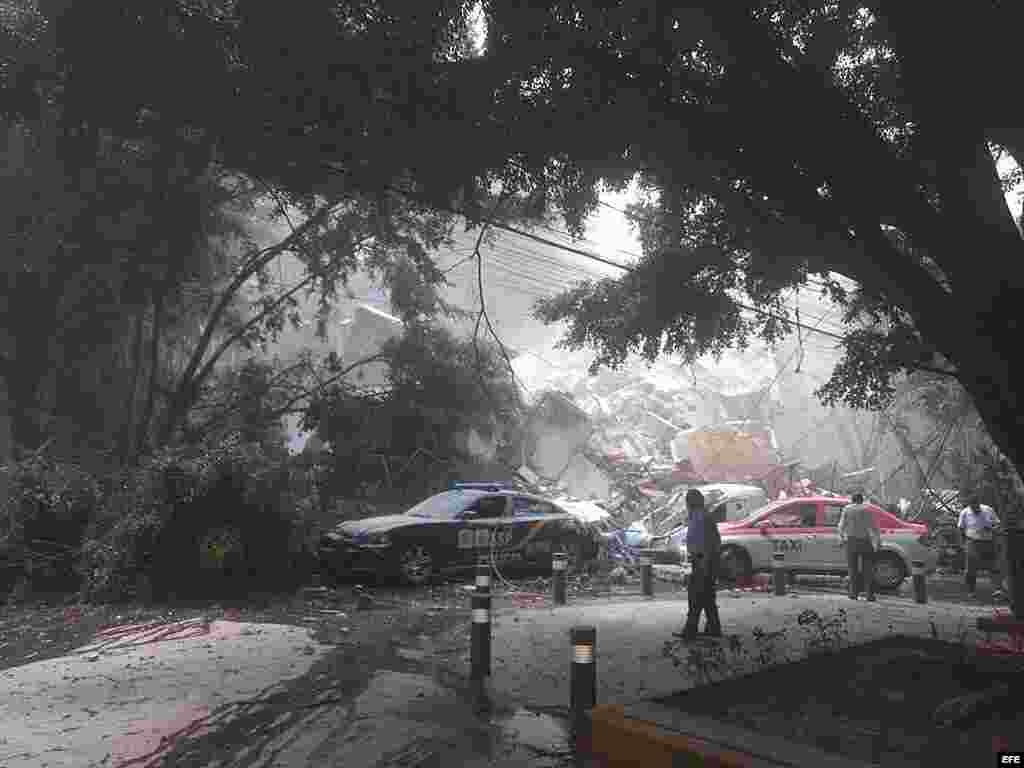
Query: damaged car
x=727, y=502
x=451, y=531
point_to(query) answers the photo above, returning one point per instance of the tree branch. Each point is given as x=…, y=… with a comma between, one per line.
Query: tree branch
x=227, y=343
x=185, y=390
x=330, y=380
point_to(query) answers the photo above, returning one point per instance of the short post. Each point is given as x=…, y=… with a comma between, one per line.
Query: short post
x=920, y=589
x=483, y=577
x=646, y=577
x=583, y=674
x=779, y=572
x=480, y=640
x=559, y=568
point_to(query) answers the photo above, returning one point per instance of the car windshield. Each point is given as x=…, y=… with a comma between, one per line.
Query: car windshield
x=712, y=497
x=444, y=506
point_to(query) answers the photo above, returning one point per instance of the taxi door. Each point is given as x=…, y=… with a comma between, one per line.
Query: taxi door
x=828, y=554
x=790, y=530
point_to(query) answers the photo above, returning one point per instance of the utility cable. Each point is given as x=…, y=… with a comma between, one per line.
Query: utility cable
x=610, y=263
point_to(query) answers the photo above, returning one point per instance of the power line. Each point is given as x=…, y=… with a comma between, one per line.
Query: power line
x=648, y=219
x=566, y=276
x=532, y=255
x=593, y=257
x=535, y=282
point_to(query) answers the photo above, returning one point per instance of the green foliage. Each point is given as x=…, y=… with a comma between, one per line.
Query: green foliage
x=48, y=507
x=226, y=505
x=672, y=303
x=774, y=142
x=708, y=663
x=249, y=400
x=440, y=387
x=961, y=444
x=823, y=635
x=737, y=207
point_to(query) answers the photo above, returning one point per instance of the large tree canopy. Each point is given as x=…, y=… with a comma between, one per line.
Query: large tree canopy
x=783, y=140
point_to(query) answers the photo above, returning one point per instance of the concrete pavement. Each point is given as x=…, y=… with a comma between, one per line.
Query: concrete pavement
x=380, y=693
x=197, y=693
x=531, y=651
x=112, y=702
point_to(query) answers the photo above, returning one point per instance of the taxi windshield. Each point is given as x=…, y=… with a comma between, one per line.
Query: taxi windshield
x=444, y=506
x=760, y=511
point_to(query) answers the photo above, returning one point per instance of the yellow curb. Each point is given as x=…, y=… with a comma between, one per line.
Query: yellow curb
x=617, y=740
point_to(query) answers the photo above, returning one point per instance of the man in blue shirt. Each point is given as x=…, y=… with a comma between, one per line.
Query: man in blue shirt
x=703, y=543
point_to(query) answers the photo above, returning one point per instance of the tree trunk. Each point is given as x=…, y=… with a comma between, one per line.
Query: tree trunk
x=7, y=356
x=5, y=443
x=142, y=432
x=130, y=442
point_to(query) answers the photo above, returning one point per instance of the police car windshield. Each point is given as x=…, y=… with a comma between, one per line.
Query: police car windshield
x=445, y=506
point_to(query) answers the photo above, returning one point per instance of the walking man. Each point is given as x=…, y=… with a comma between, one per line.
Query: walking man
x=859, y=533
x=977, y=524
x=703, y=543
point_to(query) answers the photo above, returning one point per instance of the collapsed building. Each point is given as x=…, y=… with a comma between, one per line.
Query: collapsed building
x=584, y=438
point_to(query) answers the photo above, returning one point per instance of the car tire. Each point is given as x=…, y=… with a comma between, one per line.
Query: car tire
x=734, y=565
x=890, y=571
x=414, y=565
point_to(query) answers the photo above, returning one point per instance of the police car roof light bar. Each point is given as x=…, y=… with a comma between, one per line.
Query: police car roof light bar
x=495, y=486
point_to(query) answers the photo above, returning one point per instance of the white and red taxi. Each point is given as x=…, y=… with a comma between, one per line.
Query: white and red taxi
x=805, y=530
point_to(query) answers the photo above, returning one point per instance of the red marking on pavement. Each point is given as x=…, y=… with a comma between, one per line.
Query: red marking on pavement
x=1013, y=645
x=145, y=743
x=529, y=600
x=757, y=583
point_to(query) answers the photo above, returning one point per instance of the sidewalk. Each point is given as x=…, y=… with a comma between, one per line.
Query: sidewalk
x=113, y=701
x=531, y=651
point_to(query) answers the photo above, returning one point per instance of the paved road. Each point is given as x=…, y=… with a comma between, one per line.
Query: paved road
x=352, y=688
x=382, y=687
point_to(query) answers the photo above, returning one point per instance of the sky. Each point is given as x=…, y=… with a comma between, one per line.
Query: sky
x=611, y=232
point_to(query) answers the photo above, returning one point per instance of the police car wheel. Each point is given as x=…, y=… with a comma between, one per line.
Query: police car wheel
x=734, y=564
x=415, y=565
x=889, y=572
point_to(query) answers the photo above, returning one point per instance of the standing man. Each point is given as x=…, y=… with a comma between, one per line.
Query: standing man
x=859, y=533
x=703, y=543
x=977, y=524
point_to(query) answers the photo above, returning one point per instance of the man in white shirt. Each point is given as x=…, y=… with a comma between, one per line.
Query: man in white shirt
x=977, y=524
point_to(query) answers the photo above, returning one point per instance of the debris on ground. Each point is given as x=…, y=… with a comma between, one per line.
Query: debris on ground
x=618, y=576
